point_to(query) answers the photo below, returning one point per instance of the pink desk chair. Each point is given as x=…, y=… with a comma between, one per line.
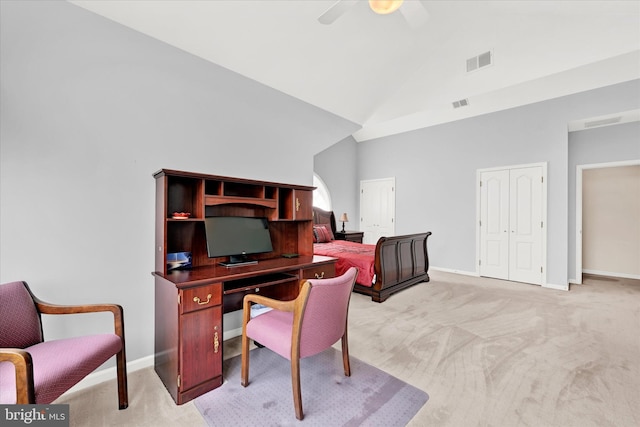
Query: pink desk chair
x=300, y=328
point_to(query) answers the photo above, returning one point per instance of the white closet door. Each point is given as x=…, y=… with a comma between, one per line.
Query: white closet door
x=511, y=224
x=494, y=224
x=525, y=243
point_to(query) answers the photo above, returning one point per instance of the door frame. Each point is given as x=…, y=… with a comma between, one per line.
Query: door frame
x=579, y=171
x=479, y=172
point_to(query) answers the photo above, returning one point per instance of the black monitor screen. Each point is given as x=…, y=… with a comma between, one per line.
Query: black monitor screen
x=237, y=236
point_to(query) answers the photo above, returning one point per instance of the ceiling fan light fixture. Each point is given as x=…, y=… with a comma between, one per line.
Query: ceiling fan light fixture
x=384, y=7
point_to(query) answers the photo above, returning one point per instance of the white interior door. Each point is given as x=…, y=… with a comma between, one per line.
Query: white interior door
x=525, y=223
x=377, y=209
x=494, y=224
x=511, y=225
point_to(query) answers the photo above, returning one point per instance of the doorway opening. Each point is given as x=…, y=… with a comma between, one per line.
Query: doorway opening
x=627, y=229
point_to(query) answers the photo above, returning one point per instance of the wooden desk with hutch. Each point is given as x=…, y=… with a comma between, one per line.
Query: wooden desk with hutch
x=189, y=304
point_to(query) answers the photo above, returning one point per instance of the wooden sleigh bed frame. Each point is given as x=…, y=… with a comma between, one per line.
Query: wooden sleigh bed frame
x=399, y=262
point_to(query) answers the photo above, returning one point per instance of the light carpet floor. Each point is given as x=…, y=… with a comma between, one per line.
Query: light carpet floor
x=488, y=352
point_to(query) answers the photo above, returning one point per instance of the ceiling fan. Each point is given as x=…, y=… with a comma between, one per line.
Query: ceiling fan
x=413, y=11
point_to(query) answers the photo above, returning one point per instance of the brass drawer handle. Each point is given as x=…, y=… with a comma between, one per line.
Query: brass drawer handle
x=320, y=276
x=196, y=299
x=297, y=204
x=216, y=342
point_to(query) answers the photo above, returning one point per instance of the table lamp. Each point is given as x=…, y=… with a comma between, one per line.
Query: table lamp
x=344, y=218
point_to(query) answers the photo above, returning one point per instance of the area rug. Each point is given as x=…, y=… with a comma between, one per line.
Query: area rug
x=369, y=397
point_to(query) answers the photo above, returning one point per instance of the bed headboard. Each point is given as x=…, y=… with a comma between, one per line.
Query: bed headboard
x=321, y=216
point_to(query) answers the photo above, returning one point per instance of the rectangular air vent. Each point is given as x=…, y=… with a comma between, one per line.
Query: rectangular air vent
x=460, y=103
x=480, y=61
x=602, y=122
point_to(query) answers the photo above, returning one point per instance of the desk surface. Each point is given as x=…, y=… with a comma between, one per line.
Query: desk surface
x=204, y=275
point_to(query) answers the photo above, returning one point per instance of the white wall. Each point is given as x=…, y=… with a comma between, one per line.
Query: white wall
x=337, y=166
x=90, y=110
x=435, y=170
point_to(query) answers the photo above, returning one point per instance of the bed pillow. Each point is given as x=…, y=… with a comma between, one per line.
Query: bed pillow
x=327, y=228
x=322, y=233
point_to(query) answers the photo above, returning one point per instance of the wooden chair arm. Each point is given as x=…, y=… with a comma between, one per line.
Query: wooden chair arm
x=266, y=301
x=118, y=316
x=21, y=360
x=295, y=305
x=47, y=308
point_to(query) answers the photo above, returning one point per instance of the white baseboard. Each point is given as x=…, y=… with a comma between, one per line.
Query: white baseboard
x=107, y=374
x=227, y=335
x=450, y=270
x=556, y=287
x=612, y=274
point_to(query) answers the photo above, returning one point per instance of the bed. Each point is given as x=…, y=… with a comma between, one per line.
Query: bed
x=389, y=266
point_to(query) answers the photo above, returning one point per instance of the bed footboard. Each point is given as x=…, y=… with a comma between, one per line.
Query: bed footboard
x=400, y=262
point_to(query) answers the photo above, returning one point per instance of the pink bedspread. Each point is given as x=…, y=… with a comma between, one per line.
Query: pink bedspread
x=350, y=254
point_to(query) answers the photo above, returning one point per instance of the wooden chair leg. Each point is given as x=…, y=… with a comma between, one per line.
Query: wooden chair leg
x=121, y=369
x=345, y=355
x=295, y=383
x=244, y=370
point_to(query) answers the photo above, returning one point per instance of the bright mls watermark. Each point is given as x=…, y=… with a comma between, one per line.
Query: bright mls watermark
x=34, y=415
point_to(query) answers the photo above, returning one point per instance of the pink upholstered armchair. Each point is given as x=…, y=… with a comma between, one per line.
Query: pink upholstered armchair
x=300, y=328
x=34, y=371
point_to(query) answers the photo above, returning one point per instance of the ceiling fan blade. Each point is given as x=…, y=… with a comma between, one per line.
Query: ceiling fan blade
x=336, y=11
x=415, y=13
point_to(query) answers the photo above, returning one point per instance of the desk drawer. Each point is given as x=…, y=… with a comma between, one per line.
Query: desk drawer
x=193, y=299
x=282, y=287
x=323, y=271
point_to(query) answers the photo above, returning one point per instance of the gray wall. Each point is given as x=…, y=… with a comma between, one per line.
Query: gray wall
x=90, y=110
x=337, y=167
x=601, y=145
x=435, y=170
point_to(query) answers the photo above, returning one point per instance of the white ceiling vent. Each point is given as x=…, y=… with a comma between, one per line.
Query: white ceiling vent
x=630, y=116
x=480, y=61
x=602, y=122
x=461, y=103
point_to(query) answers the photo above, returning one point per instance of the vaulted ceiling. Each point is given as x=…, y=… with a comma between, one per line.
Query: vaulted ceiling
x=403, y=71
